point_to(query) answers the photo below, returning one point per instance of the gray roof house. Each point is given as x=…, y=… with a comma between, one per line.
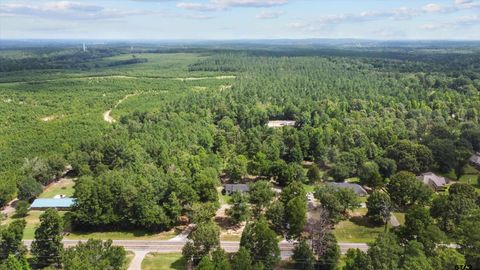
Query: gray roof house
x=475, y=160
x=434, y=181
x=231, y=188
x=359, y=190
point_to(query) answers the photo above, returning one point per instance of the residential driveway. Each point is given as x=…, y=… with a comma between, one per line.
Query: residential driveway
x=136, y=263
x=394, y=220
x=182, y=237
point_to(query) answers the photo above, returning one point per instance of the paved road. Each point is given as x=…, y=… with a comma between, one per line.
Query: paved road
x=165, y=246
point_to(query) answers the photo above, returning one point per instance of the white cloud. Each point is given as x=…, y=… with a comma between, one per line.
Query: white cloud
x=66, y=10
x=461, y=2
x=430, y=26
x=250, y=3
x=269, y=15
x=198, y=6
x=432, y=8
x=469, y=19
x=216, y=5
x=467, y=4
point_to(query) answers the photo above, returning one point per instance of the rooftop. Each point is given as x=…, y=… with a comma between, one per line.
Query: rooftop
x=355, y=187
x=236, y=187
x=475, y=158
x=430, y=178
x=53, y=203
x=280, y=123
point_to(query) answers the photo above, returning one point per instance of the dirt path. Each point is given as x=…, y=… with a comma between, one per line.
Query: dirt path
x=106, y=115
x=206, y=78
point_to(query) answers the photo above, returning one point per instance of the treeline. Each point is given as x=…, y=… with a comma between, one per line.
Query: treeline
x=70, y=59
x=47, y=250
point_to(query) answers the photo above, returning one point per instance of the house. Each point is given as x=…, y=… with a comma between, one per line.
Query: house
x=475, y=160
x=231, y=188
x=280, y=123
x=434, y=181
x=59, y=204
x=359, y=190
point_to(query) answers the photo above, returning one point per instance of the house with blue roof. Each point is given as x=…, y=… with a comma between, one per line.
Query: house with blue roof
x=59, y=204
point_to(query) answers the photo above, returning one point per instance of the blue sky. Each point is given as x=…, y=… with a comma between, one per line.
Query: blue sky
x=240, y=19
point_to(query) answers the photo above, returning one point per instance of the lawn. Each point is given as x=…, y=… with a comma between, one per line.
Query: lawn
x=33, y=220
x=122, y=235
x=471, y=179
x=400, y=217
x=230, y=237
x=62, y=187
x=167, y=261
x=357, y=229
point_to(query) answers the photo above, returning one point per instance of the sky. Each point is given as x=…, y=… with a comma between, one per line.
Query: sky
x=240, y=19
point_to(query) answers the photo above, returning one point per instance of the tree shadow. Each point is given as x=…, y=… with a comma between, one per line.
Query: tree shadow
x=179, y=264
x=363, y=221
x=227, y=224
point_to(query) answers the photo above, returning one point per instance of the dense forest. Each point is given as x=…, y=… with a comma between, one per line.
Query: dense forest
x=381, y=116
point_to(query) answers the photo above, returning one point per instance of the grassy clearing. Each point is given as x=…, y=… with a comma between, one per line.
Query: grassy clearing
x=167, y=261
x=357, y=229
x=470, y=177
x=62, y=187
x=400, y=217
x=469, y=169
x=33, y=220
x=122, y=235
x=230, y=237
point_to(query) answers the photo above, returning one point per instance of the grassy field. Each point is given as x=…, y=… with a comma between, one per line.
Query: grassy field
x=357, y=229
x=122, y=235
x=62, y=187
x=33, y=220
x=167, y=261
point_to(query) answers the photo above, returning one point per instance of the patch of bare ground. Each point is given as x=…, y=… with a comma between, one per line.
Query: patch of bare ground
x=106, y=115
x=225, y=87
x=206, y=78
x=51, y=117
